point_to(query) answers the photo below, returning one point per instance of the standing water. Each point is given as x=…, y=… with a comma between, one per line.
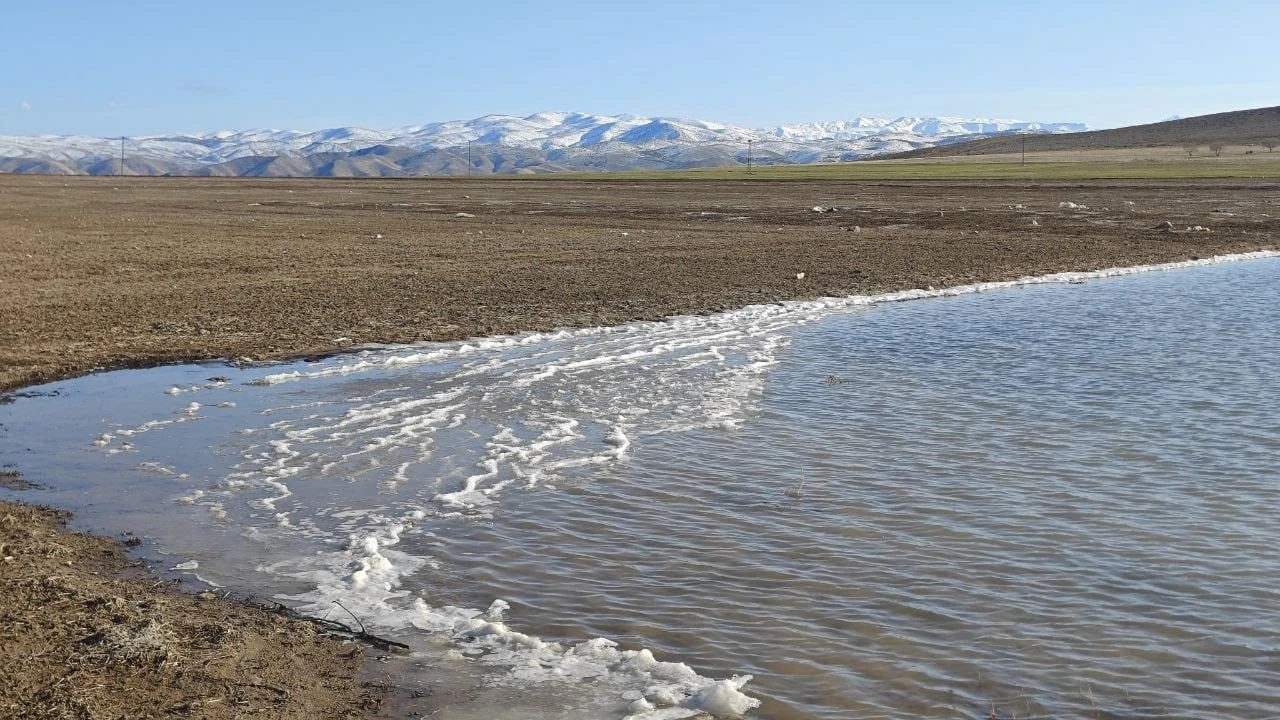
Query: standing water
x=1048, y=499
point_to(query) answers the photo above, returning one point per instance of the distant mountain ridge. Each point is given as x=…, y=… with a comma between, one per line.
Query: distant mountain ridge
x=1258, y=126
x=542, y=142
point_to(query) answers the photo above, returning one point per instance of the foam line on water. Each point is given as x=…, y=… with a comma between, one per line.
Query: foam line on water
x=796, y=311
x=367, y=578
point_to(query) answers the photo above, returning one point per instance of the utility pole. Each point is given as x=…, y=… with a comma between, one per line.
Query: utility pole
x=1024, y=149
x=749, y=141
x=122, y=155
x=468, y=158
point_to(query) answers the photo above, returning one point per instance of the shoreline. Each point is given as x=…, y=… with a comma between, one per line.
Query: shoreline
x=136, y=272
x=1066, y=276
x=831, y=304
x=86, y=632
x=96, y=290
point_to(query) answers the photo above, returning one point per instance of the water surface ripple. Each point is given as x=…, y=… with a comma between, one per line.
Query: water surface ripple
x=1049, y=501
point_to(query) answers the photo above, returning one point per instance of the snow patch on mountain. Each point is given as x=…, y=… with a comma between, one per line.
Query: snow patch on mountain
x=583, y=141
x=943, y=127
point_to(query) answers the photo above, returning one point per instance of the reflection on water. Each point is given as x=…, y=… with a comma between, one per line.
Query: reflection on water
x=1053, y=501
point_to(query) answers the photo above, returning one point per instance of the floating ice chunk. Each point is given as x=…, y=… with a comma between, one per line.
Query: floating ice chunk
x=724, y=697
x=157, y=468
x=496, y=609
x=618, y=439
x=124, y=448
x=192, y=498
x=470, y=495
x=188, y=565
x=640, y=708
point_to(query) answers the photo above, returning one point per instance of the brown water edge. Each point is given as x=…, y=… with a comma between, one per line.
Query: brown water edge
x=131, y=272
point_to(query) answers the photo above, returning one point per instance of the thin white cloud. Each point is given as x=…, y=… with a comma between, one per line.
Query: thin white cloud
x=26, y=106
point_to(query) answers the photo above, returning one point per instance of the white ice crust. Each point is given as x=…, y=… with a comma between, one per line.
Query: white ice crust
x=563, y=399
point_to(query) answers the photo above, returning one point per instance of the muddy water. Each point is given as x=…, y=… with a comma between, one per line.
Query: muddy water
x=1053, y=500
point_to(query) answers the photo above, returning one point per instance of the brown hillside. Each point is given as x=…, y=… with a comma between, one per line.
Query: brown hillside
x=1240, y=127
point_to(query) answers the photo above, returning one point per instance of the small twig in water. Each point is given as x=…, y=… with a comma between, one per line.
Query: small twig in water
x=337, y=627
x=353, y=615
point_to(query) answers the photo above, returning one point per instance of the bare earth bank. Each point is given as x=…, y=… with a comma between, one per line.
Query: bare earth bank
x=77, y=640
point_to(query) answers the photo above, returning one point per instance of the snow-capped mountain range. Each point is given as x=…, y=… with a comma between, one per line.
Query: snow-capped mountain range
x=543, y=142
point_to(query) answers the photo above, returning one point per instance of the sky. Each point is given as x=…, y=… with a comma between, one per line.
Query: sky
x=137, y=68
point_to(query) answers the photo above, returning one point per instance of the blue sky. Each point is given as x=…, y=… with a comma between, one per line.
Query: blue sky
x=132, y=68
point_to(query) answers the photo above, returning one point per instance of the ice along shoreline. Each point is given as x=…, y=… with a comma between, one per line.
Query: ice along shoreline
x=803, y=310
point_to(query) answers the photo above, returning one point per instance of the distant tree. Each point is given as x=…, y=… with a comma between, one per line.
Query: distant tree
x=1216, y=149
x=1190, y=148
